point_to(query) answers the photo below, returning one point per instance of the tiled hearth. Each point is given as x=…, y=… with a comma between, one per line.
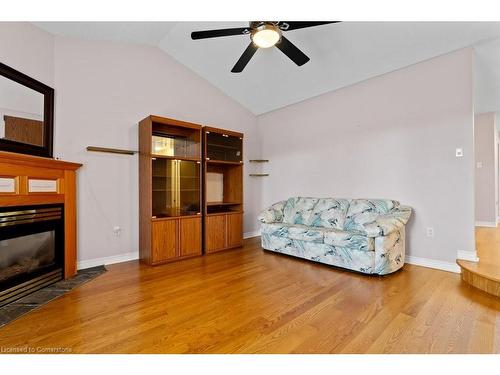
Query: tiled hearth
x=39, y=298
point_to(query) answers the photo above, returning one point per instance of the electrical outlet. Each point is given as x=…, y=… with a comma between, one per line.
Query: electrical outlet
x=117, y=230
x=430, y=232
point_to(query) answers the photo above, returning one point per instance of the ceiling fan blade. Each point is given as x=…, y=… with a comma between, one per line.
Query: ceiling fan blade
x=220, y=32
x=244, y=58
x=289, y=49
x=294, y=25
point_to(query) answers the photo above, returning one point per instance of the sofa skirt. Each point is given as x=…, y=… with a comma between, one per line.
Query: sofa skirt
x=356, y=260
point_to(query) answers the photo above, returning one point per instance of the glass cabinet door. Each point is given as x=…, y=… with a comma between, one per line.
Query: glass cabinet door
x=224, y=147
x=176, y=187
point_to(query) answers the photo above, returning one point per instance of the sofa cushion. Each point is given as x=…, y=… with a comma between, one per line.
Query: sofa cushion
x=365, y=211
x=293, y=232
x=299, y=210
x=275, y=229
x=272, y=214
x=351, y=240
x=305, y=233
x=330, y=213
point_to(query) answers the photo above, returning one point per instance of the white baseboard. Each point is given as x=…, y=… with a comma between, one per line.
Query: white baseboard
x=432, y=263
x=130, y=256
x=108, y=260
x=418, y=261
x=467, y=255
x=251, y=234
x=489, y=224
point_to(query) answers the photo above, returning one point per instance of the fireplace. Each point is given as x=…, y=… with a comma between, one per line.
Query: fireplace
x=31, y=249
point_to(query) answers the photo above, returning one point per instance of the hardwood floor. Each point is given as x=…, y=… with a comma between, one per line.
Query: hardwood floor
x=250, y=301
x=488, y=251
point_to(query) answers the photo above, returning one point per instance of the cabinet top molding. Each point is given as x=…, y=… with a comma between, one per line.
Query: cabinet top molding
x=171, y=121
x=209, y=129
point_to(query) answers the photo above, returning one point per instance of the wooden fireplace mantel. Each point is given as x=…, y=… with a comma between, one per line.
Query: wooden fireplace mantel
x=46, y=173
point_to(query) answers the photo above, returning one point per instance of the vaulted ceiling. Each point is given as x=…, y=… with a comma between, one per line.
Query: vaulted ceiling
x=341, y=55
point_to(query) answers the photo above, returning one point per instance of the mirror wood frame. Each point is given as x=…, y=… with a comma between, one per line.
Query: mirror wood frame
x=48, y=115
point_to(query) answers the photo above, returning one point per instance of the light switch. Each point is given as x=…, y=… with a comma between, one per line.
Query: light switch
x=479, y=164
x=459, y=152
x=430, y=232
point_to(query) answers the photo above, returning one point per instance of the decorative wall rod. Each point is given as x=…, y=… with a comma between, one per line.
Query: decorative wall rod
x=111, y=150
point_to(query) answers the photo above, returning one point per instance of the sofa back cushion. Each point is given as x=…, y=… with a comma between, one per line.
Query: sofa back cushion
x=299, y=210
x=330, y=213
x=364, y=211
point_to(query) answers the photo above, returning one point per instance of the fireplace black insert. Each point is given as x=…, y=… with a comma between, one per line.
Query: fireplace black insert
x=31, y=249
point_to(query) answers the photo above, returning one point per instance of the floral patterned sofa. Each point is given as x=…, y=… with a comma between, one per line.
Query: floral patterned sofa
x=364, y=235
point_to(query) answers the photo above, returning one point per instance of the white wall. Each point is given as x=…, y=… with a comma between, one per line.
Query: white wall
x=28, y=49
x=392, y=136
x=102, y=90
x=496, y=145
x=485, y=174
x=496, y=172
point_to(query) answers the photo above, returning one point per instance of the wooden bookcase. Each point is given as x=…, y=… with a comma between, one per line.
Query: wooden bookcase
x=170, y=190
x=223, y=189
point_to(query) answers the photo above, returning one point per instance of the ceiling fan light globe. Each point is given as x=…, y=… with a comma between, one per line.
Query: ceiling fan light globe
x=266, y=37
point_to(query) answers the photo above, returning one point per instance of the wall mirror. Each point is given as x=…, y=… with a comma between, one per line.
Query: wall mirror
x=26, y=114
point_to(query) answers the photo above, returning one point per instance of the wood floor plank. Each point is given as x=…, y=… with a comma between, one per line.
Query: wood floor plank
x=389, y=340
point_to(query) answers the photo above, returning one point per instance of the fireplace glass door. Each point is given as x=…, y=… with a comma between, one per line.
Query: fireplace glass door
x=31, y=249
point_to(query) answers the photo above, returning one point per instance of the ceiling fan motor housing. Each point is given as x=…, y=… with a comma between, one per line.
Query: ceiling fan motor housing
x=265, y=34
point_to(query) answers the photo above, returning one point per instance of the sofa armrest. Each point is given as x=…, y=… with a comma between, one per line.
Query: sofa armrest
x=273, y=214
x=388, y=223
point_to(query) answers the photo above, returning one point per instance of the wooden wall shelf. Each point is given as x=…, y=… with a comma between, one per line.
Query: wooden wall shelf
x=111, y=150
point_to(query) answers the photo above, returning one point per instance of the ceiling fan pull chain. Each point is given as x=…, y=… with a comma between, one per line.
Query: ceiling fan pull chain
x=284, y=26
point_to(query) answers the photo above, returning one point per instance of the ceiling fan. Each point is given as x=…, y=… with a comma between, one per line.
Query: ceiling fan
x=264, y=34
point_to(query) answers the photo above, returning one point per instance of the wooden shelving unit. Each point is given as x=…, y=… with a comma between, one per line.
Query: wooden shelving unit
x=170, y=190
x=223, y=189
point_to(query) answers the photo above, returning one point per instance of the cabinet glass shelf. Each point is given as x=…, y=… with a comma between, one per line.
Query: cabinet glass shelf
x=175, y=187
